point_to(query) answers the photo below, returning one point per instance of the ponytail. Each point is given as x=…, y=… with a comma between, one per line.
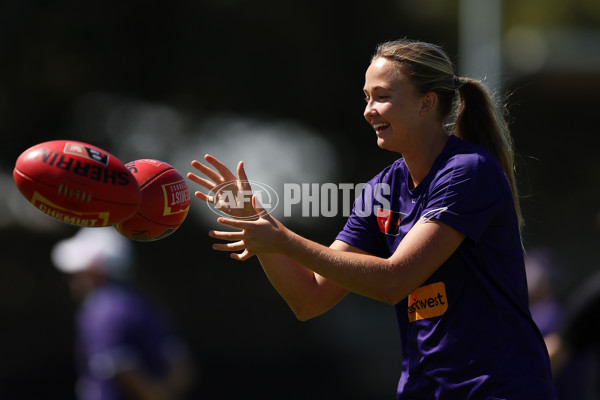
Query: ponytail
x=479, y=121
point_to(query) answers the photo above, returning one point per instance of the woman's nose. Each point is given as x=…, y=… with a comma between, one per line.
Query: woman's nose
x=369, y=109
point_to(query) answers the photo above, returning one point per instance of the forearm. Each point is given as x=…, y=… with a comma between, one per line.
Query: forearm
x=363, y=274
x=308, y=295
x=424, y=248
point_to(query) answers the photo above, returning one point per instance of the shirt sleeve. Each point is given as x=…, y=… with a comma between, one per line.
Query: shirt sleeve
x=467, y=194
x=361, y=230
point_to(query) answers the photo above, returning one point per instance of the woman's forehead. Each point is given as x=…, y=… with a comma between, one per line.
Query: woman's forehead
x=383, y=72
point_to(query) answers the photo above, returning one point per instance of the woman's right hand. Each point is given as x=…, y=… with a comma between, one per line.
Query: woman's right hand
x=222, y=181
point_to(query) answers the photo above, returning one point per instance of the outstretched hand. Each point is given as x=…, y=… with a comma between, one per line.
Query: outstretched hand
x=261, y=236
x=222, y=178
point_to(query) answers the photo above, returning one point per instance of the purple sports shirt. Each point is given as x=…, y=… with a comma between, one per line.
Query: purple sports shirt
x=467, y=332
x=117, y=330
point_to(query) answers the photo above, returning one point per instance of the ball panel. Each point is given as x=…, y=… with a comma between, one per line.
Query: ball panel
x=164, y=204
x=38, y=195
x=77, y=183
x=141, y=229
x=146, y=169
x=169, y=195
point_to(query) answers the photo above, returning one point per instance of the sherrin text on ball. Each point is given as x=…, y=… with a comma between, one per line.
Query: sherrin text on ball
x=77, y=183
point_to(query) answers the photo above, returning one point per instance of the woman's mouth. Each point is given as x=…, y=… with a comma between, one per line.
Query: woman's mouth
x=380, y=126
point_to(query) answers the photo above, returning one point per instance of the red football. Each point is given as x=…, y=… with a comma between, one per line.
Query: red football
x=164, y=205
x=77, y=183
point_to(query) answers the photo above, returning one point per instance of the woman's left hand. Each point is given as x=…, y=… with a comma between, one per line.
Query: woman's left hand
x=261, y=236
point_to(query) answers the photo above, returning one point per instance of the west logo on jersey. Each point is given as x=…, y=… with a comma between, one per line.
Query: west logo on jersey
x=427, y=302
x=389, y=221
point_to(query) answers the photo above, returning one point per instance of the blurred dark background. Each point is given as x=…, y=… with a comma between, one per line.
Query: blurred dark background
x=278, y=84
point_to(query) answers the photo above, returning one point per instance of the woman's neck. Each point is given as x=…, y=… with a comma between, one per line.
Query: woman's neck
x=421, y=159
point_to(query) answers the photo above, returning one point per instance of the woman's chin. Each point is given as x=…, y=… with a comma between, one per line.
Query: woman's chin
x=386, y=145
x=382, y=143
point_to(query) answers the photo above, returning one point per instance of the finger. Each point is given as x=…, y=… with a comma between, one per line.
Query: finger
x=226, y=235
x=225, y=172
x=229, y=246
x=243, y=256
x=210, y=185
x=258, y=207
x=245, y=184
x=235, y=223
x=204, y=197
x=210, y=173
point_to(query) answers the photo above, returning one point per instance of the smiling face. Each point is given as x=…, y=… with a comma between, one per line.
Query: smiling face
x=394, y=107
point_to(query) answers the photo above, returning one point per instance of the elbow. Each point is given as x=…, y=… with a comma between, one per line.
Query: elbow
x=394, y=289
x=304, y=315
x=392, y=295
x=397, y=296
x=305, y=312
x=392, y=301
x=317, y=305
x=387, y=298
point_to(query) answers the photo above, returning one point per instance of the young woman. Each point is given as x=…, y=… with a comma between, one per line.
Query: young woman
x=443, y=247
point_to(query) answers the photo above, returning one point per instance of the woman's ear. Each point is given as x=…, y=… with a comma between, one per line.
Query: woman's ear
x=429, y=102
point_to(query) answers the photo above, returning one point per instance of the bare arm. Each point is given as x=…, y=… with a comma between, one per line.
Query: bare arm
x=297, y=267
x=422, y=251
x=307, y=293
x=425, y=247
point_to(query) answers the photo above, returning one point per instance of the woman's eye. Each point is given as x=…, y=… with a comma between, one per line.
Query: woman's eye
x=377, y=98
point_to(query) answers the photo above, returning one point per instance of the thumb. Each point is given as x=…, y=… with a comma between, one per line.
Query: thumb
x=260, y=211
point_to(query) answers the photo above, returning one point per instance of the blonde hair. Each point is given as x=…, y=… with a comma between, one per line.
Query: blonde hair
x=463, y=103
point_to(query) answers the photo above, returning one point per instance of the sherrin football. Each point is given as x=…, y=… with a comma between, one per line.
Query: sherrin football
x=164, y=204
x=77, y=183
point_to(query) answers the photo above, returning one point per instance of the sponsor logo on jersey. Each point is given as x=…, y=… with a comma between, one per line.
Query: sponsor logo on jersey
x=427, y=302
x=389, y=221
